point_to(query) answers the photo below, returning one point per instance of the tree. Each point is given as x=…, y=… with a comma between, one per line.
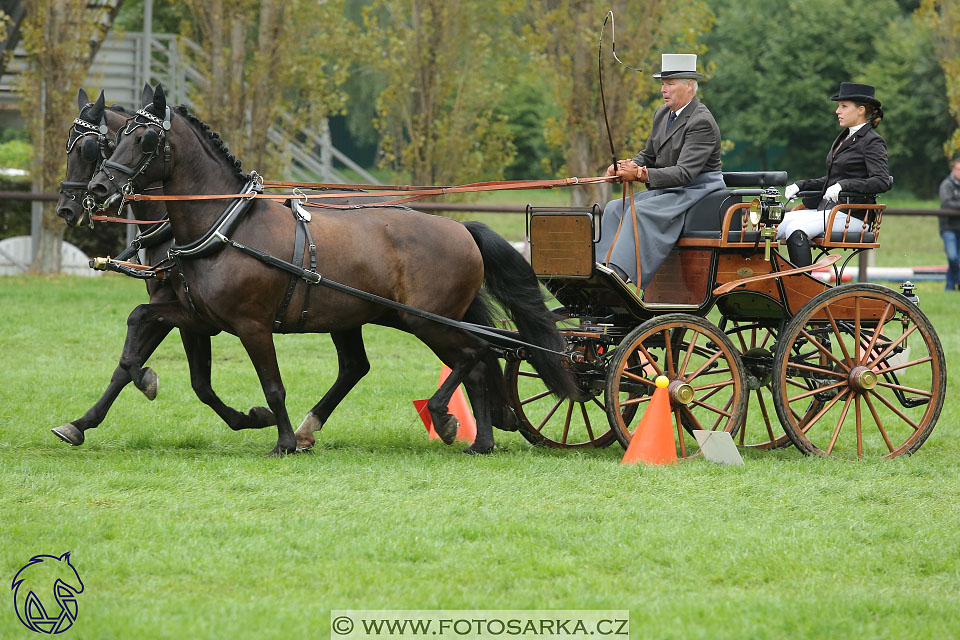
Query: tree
x=445, y=67
x=565, y=35
x=775, y=72
x=57, y=36
x=943, y=19
x=912, y=83
x=265, y=59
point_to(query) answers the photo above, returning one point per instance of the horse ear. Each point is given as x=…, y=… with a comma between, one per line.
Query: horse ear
x=159, y=101
x=146, y=96
x=82, y=99
x=96, y=111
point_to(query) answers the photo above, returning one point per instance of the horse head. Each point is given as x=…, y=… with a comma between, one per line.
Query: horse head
x=89, y=142
x=142, y=152
x=42, y=575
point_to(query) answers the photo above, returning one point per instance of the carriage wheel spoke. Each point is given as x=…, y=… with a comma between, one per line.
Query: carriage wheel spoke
x=716, y=386
x=811, y=392
x=823, y=411
x=836, y=331
x=843, y=416
x=766, y=338
x=683, y=444
x=686, y=357
x=743, y=427
x=712, y=392
x=711, y=408
x=766, y=416
x=822, y=349
x=549, y=415
x=879, y=423
x=536, y=396
x=818, y=370
x=586, y=420
x=919, y=392
x=859, y=430
x=726, y=407
x=638, y=378
x=650, y=361
x=633, y=401
x=856, y=330
x=897, y=411
x=528, y=374
x=668, y=354
x=709, y=361
x=885, y=369
x=892, y=346
x=877, y=331
x=597, y=402
x=739, y=334
x=566, y=422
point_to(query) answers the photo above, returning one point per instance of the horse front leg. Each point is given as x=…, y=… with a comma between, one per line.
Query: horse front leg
x=147, y=326
x=196, y=346
x=352, y=358
x=258, y=342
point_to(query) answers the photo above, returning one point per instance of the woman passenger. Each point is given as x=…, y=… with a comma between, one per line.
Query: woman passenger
x=856, y=162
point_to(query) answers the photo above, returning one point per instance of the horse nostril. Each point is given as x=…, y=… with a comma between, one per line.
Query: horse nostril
x=98, y=190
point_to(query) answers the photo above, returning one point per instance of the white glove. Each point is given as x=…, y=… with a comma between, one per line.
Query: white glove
x=833, y=192
x=791, y=191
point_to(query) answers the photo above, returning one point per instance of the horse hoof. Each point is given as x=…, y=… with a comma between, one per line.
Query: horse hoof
x=474, y=450
x=279, y=451
x=262, y=416
x=447, y=429
x=69, y=434
x=149, y=383
x=509, y=421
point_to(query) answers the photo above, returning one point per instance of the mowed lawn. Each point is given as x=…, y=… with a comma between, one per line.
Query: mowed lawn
x=181, y=528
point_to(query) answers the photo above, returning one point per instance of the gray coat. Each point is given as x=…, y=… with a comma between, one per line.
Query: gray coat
x=949, y=199
x=683, y=166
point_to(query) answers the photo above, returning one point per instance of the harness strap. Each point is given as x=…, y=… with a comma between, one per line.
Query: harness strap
x=297, y=260
x=313, y=267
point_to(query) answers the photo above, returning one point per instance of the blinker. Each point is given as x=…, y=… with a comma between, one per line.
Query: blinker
x=89, y=150
x=149, y=141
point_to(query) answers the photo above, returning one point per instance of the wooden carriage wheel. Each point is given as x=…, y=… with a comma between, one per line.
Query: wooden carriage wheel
x=553, y=422
x=707, y=386
x=874, y=362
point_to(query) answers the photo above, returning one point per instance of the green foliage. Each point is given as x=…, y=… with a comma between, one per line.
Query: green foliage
x=526, y=107
x=16, y=154
x=942, y=17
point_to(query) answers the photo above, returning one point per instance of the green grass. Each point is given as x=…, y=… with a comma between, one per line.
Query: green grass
x=181, y=528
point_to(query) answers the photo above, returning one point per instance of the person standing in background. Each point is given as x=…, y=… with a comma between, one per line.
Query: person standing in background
x=950, y=225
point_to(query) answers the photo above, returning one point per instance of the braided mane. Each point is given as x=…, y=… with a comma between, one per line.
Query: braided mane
x=213, y=139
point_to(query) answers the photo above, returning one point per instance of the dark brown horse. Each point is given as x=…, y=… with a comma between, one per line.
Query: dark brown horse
x=426, y=262
x=90, y=141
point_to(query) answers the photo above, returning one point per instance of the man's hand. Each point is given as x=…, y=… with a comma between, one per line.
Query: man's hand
x=833, y=192
x=629, y=171
x=791, y=191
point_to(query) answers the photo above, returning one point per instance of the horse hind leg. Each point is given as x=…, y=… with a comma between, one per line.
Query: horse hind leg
x=480, y=393
x=353, y=365
x=196, y=346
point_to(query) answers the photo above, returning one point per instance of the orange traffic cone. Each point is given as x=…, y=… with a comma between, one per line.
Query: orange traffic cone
x=467, y=431
x=653, y=441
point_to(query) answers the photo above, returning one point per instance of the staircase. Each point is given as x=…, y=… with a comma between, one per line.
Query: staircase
x=118, y=68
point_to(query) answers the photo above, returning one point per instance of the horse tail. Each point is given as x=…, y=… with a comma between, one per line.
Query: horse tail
x=512, y=282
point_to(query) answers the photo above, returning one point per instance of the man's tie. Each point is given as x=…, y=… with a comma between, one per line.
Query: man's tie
x=670, y=119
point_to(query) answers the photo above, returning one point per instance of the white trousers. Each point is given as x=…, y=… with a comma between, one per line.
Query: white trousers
x=813, y=223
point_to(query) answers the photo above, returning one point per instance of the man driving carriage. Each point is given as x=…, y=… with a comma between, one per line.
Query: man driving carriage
x=680, y=165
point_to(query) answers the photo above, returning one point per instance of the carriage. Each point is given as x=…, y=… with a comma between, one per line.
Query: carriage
x=751, y=344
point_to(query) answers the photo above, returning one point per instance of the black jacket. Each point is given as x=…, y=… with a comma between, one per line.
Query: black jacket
x=860, y=165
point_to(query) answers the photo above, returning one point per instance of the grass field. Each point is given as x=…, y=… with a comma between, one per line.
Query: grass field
x=181, y=528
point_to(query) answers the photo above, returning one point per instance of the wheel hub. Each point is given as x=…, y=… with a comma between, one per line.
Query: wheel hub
x=862, y=379
x=680, y=392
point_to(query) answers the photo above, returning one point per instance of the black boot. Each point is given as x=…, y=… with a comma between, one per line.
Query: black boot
x=798, y=246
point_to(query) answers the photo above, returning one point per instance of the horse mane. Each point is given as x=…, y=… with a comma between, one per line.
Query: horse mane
x=213, y=139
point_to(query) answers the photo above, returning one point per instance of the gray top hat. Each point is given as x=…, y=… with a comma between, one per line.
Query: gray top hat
x=678, y=65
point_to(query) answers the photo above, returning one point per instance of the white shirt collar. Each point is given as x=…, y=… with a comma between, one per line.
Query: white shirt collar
x=853, y=130
x=683, y=107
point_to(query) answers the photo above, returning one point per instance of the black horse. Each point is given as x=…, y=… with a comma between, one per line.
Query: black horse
x=89, y=143
x=425, y=262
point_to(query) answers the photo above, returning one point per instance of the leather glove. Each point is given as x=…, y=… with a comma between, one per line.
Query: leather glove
x=791, y=191
x=833, y=192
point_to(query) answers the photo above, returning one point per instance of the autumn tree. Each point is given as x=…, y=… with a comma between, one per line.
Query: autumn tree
x=57, y=37
x=566, y=34
x=444, y=68
x=943, y=18
x=267, y=60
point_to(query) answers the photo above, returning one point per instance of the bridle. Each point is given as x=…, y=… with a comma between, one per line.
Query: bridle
x=153, y=144
x=95, y=149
